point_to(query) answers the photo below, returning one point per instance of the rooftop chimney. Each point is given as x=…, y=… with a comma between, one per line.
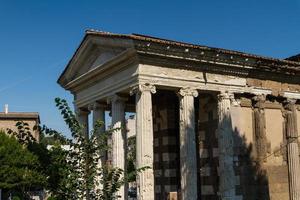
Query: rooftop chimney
x=6, y=108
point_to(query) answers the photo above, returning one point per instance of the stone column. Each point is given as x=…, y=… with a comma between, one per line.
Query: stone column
x=119, y=145
x=260, y=128
x=99, y=115
x=144, y=140
x=83, y=119
x=188, y=155
x=225, y=139
x=292, y=149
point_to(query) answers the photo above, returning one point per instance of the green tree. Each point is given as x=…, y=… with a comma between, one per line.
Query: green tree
x=77, y=167
x=19, y=168
x=71, y=165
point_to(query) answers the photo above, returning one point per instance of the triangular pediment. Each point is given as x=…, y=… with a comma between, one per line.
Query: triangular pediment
x=95, y=59
x=92, y=53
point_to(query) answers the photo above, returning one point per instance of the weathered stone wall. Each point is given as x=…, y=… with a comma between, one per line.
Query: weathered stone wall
x=245, y=172
x=268, y=178
x=298, y=120
x=166, y=143
x=276, y=86
x=255, y=179
x=276, y=165
x=208, y=148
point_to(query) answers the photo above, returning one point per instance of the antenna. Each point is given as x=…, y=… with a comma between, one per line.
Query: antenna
x=6, y=108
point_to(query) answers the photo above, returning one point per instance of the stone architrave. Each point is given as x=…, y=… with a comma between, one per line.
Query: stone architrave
x=292, y=149
x=119, y=140
x=144, y=140
x=260, y=127
x=225, y=139
x=188, y=155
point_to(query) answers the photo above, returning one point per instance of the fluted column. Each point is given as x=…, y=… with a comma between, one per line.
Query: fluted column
x=144, y=140
x=188, y=156
x=83, y=119
x=225, y=139
x=260, y=127
x=98, y=114
x=119, y=138
x=292, y=149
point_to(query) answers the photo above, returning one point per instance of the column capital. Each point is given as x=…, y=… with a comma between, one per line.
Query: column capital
x=116, y=98
x=143, y=88
x=187, y=91
x=258, y=101
x=225, y=95
x=290, y=104
x=82, y=111
x=95, y=106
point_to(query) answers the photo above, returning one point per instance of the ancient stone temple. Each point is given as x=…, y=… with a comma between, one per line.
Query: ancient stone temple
x=210, y=123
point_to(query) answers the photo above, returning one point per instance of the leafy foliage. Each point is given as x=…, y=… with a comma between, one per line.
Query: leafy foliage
x=77, y=169
x=23, y=133
x=19, y=171
x=72, y=165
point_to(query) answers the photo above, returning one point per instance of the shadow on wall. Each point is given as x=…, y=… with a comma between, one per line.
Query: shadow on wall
x=250, y=176
x=250, y=179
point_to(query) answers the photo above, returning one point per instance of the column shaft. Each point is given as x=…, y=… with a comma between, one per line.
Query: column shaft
x=292, y=150
x=225, y=139
x=188, y=155
x=119, y=139
x=83, y=119
x=144, y=141
x=260, y=128
x=99, y=115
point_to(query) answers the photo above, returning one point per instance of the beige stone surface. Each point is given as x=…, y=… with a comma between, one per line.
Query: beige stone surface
x=11, y=124
x=274, y=133
x=242, y=123
x=298, y=122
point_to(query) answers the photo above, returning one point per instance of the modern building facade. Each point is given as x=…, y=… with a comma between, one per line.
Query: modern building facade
x=210, y=123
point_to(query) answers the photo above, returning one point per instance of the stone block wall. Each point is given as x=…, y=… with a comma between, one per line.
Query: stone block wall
x=266, y=179
x=276, y=163
x=253, y=180
x=166, y=143
x=208, y=162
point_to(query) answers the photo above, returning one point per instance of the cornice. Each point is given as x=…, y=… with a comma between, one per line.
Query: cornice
x=214, y=67
x=218, y=57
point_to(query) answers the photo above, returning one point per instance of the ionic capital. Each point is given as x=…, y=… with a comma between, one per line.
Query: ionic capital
x=147, y=87
x=258, y=101
x=225, y=95
x=188, y=92
x=290, y=104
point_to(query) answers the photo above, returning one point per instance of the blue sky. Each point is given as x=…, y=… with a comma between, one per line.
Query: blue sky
x=37, y=38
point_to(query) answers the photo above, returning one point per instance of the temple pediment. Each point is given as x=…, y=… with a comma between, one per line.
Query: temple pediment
x=92, y=53
x=94, y=60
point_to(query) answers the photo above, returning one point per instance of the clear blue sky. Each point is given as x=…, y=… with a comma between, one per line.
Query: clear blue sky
x=37, y=38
